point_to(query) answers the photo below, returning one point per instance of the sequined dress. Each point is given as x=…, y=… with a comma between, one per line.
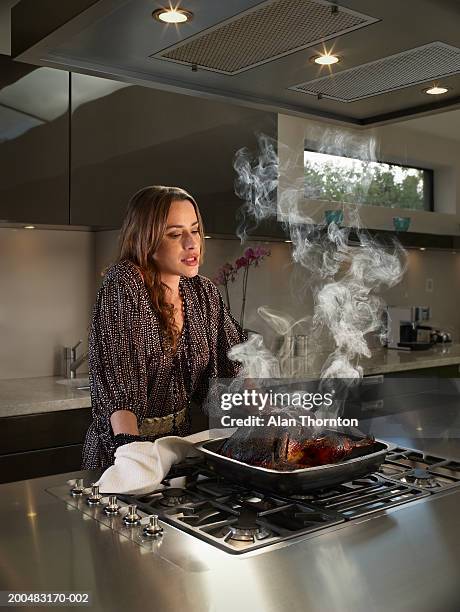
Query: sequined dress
x=129, y=369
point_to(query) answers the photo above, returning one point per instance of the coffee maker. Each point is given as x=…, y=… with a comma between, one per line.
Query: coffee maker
x=405, y=330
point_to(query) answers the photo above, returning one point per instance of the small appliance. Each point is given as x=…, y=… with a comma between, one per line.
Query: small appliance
x=405, y=330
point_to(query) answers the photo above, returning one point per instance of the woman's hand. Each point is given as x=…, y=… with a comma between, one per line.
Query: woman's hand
x=251, y=383
x=124, y=421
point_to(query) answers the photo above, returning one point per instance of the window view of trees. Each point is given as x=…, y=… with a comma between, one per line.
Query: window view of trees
x=342, y=179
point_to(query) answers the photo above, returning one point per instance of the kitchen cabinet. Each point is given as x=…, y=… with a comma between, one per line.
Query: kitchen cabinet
x=396, y=392
x=125, y=137
x=48, y=443
x=41, y=444
x=448, y=371
x=409, y=239
x=34, y=139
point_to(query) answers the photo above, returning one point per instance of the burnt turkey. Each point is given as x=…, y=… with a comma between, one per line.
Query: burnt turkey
x=290, y=450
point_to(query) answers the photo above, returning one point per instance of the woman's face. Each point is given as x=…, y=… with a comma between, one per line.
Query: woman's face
x=179, y=251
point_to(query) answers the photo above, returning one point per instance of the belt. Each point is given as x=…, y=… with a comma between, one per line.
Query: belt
x=156, y=426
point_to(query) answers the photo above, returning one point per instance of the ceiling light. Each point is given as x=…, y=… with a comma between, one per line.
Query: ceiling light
x=436, y=90
x=423, y=248
x=325, y=59
x=208, y=236
x=29, y=226
x=288, y=241
x=172, y=15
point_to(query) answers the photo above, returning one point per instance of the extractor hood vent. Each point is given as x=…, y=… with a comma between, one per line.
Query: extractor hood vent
x=263, y=33
x=415, y=66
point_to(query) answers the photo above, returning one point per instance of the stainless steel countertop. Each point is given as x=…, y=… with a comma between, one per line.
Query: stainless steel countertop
x=405, y=560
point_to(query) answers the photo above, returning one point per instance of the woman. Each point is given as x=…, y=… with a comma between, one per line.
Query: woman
x=159, y=331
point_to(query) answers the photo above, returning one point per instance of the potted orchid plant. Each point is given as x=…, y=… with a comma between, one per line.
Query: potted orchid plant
x=229, y=271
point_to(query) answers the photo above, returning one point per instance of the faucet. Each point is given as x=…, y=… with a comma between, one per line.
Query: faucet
x=70, y=359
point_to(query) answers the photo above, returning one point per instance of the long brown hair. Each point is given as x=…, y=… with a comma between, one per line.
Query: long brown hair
x=143, y=229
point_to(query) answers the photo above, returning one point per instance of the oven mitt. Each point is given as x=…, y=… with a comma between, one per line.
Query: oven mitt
x=141, y=466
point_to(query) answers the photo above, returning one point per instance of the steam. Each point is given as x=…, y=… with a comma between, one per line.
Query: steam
x=257, y=360
x=344, y=279
x=256, y=184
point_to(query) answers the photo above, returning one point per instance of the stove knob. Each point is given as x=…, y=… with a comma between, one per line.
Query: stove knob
x=112, y=507
x=153, y=529
x=132, y=518
x=77, y=488
x=95, y=497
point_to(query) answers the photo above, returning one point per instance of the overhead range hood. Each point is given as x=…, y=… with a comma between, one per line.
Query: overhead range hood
x=259, y=53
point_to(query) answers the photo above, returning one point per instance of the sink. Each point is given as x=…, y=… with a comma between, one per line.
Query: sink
x=81, y=384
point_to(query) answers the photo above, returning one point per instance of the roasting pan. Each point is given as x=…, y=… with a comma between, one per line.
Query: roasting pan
x=361, y=462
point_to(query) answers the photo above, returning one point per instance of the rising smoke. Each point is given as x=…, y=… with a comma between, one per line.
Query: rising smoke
x=344, y=279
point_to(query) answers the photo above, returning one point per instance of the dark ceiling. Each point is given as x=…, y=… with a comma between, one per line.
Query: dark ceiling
x=255, y=52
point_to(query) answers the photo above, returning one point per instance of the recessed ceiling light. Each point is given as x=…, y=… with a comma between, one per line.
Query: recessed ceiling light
x=423, y=248
x=172, y=15
x=208, y=236
x=29, y=226
x=288, y=241
x=436, y=90
x=325, y=59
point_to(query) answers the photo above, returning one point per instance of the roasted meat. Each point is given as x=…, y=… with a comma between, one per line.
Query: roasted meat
x=261, y=448
x=292, y=449
x=322, y=449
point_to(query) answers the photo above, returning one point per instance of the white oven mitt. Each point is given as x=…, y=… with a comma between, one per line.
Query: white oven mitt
x=141, y=466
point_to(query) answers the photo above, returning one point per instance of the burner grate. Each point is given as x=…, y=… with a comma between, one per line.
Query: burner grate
x=239, y=520
x=426, y=472
x=164, y=500
x=293, y=518
x=365, y=496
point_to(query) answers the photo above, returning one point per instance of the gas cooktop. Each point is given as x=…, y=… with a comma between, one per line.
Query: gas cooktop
x=239, y=520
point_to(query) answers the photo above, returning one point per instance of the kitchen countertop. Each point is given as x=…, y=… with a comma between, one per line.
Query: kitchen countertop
x=406, y=559
x=390, y=360
x=21, y=396
x=384, y=361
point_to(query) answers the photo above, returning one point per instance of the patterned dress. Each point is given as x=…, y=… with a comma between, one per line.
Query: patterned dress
x=129, y=369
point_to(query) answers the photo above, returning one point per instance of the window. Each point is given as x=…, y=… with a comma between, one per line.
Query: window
x=343, y=179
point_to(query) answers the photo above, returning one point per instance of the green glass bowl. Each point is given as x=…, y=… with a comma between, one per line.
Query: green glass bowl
x=333, y=216
x=401, y=224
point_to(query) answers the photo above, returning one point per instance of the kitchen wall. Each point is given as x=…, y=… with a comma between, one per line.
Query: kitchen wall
x=397, y=143
x=282, y=285
x=46, y=291
x=272, y=283
x=49, y=279
x=443, y=267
